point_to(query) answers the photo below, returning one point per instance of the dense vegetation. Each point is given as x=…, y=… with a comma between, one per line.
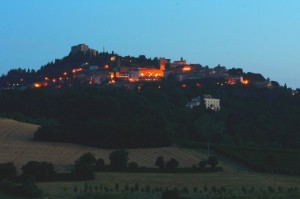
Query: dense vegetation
x=156, y=115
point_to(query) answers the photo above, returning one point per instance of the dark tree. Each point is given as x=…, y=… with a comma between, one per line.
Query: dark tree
x=40, y=170
x=29, y=188
x=118, y=159
x=100, y=164
x=84, y=167
x=8, y=171
x=160, y=162
x=202, y=164
x=133, y=165
x=172, y=164
x=212, y=161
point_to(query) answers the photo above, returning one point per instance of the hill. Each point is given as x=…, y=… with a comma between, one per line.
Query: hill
x=156, y=115
x=16, y=146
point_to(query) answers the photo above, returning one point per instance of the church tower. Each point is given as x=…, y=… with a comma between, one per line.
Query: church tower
x=162, y=63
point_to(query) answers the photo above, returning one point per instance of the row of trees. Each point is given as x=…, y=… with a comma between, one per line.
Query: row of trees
x=87, y=164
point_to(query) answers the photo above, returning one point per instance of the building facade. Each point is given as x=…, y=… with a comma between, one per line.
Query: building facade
x=212, y=103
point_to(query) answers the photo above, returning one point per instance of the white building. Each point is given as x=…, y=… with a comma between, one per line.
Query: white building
x=212, y=103
x=196, y=101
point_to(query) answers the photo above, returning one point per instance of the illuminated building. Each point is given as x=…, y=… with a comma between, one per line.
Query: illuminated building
x=188, y=72
x=162, y=64
x=148, y=74
x=212, y=103
x=153, y=74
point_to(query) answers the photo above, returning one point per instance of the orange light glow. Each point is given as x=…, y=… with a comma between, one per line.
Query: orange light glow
x=54, y=80
x=150, y=72
x=37, y=85
x=186, y=68
x=65, y=73
x=113, y=58
x=106, y=66
x=245, y=82
x=183, y=86
x=75, y=70
x=60, y=78
x=47, y=78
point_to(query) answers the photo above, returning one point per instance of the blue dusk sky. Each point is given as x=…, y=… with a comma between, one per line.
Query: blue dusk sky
x=261, y=36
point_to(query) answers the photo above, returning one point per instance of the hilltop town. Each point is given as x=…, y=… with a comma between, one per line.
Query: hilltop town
x=87, y=66
x=171, y=117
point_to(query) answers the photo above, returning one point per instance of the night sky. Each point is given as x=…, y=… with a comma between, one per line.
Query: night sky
x=258, y=36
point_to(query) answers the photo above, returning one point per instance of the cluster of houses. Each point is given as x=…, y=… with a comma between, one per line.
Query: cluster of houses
x=116, y=71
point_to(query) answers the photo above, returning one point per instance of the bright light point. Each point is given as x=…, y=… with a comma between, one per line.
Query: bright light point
x=37, y=85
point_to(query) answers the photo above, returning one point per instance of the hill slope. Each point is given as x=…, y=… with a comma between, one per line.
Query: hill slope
x=16, y=146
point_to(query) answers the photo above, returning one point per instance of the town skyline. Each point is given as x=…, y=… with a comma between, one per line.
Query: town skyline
x=257, y=36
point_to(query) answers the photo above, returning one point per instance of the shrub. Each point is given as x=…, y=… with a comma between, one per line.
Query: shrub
x=8, y=171
x=172, y=164
x=42, y=171
x=147, y=188
x=202, y=164
x=160, y=162
x=29, y=188
x=7, y=186
x=118, y=159
x=137, y=187
x=117, y=186
x=100, y=164
x=212, y=161
x=195, y=189
x=185, y=190
x=126, y=187
x=133, y=165
x=84, y=167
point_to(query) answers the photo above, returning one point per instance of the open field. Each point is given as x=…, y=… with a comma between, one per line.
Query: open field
x=271, y=160
x=16, y=146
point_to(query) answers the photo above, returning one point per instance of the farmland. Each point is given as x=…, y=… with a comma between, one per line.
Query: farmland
x=16, y=146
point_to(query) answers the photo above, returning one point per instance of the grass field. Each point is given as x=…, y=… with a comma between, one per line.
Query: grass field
x=271, y=160
x=16, y=146
x=232, y=182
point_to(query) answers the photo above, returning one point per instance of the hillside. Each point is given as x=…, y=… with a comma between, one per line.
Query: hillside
x=16, y=146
